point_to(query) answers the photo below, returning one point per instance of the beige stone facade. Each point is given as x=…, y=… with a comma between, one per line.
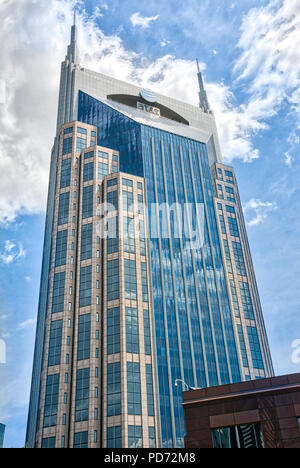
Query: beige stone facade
x=75, y=390
x=243, y=292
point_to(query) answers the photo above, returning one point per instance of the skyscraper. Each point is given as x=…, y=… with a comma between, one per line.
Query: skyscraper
x=122, y=319
x=2, y=433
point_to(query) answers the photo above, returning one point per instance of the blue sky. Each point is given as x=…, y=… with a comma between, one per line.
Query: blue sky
x=250, y=54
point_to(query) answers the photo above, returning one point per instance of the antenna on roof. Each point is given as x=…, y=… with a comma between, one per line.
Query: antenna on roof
x=73, y=54
x=203, y=101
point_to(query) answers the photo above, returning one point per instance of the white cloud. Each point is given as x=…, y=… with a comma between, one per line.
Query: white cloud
x=35, y=44
x=28, y=279
x=258, y=211
x=236, y=125
x=14, y=391
x=288, y=159
x=268, y=68
x=270, y=45
x=293, y=141
x=12, y=252
x=99, y=10
x=26, y=324
x=143, y=22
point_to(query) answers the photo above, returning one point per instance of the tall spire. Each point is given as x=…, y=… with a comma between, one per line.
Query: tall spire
x=203, y=101
x=73, y=54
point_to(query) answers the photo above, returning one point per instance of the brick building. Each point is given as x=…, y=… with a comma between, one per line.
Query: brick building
x=256, y=414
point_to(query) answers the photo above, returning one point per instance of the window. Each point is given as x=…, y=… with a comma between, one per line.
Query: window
x=130, y=279
x=116, y=157
x=127, y=182
x=80, y=144
x=55, y=343
x=86, y=241
x=87, y=202
x=144, y=281
x=112, y=280
x=132, y=330
x=128, y=201
x=141, y=203
x=82, y=395
x=114, y=437
x=142, y=238
x=235, y=299
x=229, y=174
x=150, y=397
x=233, y=227
x=67, y=146
x=239, y=258
x=255, y=348
x=49, y=443
x=63, y=210
x=140, y=186
x=229, y=190
x=85, y=290
x=113, y=330
x=248, y=436
x=115, y=168
x=112, y=183
x=102, y=170
x=82, y=131
x=112, y=199
x=58, y=292
x=230, y=209
x=227, y=256
x=61, y=248
x=51, y=401
x=243, y=346
x=113, y=389
x=247, y=301
x=128, y=234
x=89, y=154
x=112, y=242
x=84, y=337
x=65, y=179
x=68, y=130
x=88, y=172
x=134, y=388
x=103, y=155
x=152, y=438
x=135, y=437
x=222, y=223
x=147, y=333
x=81, y=440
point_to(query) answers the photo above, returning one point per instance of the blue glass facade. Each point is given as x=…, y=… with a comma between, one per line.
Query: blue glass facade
x=193, y=324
